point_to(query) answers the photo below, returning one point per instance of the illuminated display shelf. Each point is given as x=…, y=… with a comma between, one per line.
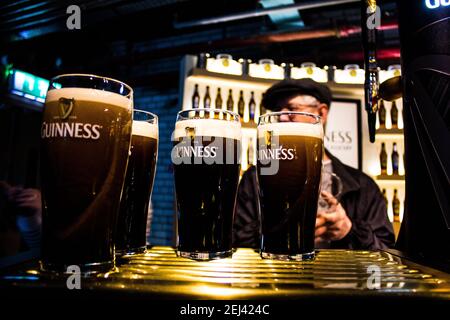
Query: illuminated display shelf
x=393, y=178
x=388, y=136
x=202, y=73
x=250, y=125
x=390, y=131
x=384, y=134
x=198, y=73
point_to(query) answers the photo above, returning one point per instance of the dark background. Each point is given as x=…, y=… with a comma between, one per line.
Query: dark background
x=141, y=43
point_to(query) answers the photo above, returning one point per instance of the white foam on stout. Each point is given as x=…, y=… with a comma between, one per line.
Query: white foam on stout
x=209, y=128
x=94, y=95
x=145, y=129
x=292, y=129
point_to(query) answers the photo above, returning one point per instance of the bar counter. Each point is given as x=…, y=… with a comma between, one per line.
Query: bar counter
x=160, y=274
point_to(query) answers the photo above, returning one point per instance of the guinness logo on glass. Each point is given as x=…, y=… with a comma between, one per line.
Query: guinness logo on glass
x=65, y=107
x=68, y=128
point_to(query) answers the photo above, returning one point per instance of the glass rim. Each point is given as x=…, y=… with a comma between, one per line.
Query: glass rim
x=90, y=75
x=236, y=116
x=146, y=112
x=280, y=113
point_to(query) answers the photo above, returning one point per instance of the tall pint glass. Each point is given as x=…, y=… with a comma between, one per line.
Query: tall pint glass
x=137, y=191
x=206, y=158
x=290, y=146
x=86, y=134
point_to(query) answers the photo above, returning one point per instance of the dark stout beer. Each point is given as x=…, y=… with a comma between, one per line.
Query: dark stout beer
x=85, y=142
x=206, y=157
x=137, y=190
x=288, y=195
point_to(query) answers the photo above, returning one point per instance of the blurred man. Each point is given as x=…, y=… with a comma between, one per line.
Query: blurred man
x=358, y=220
x=20, y=219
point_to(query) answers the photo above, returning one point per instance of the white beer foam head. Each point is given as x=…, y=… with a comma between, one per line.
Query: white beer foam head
x=292, y=129
x=145, y=129
x=93, y=95
x=209, y=128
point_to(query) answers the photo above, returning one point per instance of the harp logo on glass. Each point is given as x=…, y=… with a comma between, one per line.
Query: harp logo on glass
x=434, y=4
x=270, y=152
x=65, y=107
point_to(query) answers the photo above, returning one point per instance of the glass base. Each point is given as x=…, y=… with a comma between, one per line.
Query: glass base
x=131, y=251
x=204, y=256
x=86, y=269
x=286, y=257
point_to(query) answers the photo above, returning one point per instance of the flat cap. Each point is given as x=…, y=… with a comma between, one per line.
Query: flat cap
x=284, y=89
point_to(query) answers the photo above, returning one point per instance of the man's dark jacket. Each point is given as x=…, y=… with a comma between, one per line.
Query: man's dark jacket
x=361, y=199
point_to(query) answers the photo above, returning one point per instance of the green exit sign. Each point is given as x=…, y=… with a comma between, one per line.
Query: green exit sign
x=29, y=86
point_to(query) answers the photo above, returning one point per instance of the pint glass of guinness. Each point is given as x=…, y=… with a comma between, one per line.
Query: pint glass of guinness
x=206, y=158
x=137, y=190
x=86, y=135
x=290, y=146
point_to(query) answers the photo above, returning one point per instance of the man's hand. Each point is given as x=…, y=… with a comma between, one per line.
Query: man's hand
x=332, y=224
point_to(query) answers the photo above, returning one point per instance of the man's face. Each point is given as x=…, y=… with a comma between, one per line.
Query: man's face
x=303, y=103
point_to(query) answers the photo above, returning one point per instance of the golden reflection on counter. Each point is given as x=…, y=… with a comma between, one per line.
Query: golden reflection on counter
x=160, y=273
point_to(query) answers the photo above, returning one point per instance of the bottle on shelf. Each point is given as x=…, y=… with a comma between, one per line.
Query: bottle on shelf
x=241, y=104
x=250, y=152
x=218, y=102
x=396, y=206
x=262, y=109
x=382, y=115
x=394, y=115
x=196, y=98
x=252, y=106
x=207, y=99
x=230, y=102
x=395, y=159
x=383, y=159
